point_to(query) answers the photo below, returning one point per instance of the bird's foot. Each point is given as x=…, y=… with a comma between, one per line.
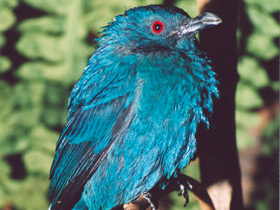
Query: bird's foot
x=153, y=203
x=184, y=187
x=142, y=203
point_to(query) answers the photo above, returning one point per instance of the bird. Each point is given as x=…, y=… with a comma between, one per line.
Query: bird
x=133, y=114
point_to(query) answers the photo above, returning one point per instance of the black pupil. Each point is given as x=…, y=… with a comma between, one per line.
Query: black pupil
x=157, y=27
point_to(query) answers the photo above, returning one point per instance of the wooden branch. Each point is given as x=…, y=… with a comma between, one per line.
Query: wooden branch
x=199, y=191
x=221, y=194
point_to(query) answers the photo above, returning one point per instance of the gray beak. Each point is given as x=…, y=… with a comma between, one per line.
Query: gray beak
x=200, y=22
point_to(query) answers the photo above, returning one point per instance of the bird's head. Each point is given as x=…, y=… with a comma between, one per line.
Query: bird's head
x=155, y=27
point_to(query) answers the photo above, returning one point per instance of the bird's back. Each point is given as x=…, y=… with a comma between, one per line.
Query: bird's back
x=159, y=139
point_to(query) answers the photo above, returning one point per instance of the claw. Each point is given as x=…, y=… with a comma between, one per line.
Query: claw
x=183, y=183
x=183, y=188
x=186, y=196
x=148, y=197
x=143, y=202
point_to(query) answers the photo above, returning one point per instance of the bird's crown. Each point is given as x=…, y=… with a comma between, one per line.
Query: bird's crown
x=155, y=26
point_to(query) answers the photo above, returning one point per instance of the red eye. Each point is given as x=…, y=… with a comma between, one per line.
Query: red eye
x=157, y=27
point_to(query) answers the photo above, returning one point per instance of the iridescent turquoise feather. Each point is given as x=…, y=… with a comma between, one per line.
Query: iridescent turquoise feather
x=133, y=115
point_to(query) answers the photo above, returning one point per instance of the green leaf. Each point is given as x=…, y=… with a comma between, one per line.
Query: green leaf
x=4, y=181
x=8, y=3
x=250, y=71
x=271, y=137
x=44, y=139
x=37, y=162
x=7, y=19
x=247, y=97
x=275, y=86
x=264, y=22
x=243, y=139
x=20, y=112
x=5, y=64
x=28, y=95
x=262, y=46
x=16, y=144
x=247, y=120
x=32, y=193
x=246, y=123
x=44, y=71
x=269, y=5
x=54, y=117
x=46, y=24
x=190, y=7
x=40, y=46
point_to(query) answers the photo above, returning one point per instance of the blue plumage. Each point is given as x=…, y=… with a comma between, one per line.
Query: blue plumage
x=133, y=115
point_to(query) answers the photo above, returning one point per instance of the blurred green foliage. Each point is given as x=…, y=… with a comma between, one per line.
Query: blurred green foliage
x=45, y=44
x=258, y=64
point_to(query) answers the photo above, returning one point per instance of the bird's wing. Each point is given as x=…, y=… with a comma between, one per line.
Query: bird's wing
x=100, y=108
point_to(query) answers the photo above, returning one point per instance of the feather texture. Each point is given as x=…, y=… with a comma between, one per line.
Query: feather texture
x=133, y=115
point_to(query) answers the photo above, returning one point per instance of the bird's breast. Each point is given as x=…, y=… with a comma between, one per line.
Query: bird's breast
x=161, y=101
